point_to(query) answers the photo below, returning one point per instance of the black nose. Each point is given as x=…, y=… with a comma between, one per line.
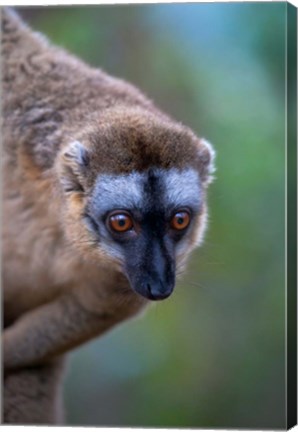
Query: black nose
x=158, y=291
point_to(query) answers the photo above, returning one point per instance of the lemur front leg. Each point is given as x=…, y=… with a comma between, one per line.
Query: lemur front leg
x=52, y=329
x=34, y=395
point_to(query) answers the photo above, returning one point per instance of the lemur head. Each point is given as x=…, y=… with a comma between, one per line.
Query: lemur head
x=135, y=192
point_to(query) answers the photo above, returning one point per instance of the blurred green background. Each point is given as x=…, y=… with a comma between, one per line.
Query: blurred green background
x=213, y=354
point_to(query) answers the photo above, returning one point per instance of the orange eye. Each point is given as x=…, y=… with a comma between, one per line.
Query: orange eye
x=180, y=220
x=120, y=222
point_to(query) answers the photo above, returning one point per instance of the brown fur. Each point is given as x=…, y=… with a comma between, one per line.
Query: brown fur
x=59, y=289
x=34, y=395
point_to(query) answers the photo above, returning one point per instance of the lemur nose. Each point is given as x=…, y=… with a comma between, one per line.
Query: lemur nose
x=158, y=291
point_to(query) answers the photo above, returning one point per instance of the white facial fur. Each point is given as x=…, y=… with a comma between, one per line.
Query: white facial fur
x=119, y=191
x=179, y=188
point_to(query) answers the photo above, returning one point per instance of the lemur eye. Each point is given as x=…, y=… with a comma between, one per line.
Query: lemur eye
x=181, y=220
x=120, y=222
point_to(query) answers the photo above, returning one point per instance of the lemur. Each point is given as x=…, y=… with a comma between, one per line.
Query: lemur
x=104, y=197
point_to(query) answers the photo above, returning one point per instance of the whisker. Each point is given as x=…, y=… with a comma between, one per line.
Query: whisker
x=196, y=284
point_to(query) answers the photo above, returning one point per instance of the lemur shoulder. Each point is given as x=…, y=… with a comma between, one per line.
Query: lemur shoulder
x=104, y=197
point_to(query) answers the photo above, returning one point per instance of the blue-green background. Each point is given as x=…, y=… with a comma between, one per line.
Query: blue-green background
x=213, y=354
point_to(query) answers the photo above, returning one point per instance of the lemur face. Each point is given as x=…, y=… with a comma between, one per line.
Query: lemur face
x=135, y=188
x=147, y=221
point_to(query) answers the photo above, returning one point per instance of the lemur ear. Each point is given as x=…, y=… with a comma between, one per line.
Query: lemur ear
x=206, y=155
x=74, y=160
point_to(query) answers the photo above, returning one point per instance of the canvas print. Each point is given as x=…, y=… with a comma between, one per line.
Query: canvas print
x=149, y=215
